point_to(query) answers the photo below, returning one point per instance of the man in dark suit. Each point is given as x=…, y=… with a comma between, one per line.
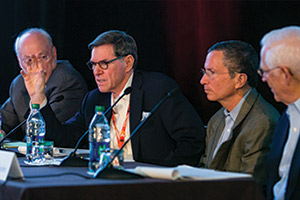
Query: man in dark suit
x=239, y=134
x=173, y=135
x=34, y=46
x=280, y=68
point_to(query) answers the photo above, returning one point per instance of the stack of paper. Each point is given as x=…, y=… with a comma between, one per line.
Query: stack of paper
x=186, y=172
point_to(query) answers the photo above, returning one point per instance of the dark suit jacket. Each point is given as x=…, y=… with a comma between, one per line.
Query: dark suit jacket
x=173, y=135
x=249, y=142
x=64, y=80
x=274, y=158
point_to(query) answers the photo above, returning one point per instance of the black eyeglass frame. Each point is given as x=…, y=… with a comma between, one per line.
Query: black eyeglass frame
x=91, y=64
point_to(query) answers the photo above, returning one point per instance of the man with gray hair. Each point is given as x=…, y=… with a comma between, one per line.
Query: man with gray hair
x=280, y=68
x=34, y=48
x=173, y=135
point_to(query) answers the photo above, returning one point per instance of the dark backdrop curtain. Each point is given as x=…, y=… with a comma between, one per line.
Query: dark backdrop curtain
x=172, y=35
x=73, y=24
x=191, y=28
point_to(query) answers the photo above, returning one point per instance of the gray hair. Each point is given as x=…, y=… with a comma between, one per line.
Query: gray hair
x=284, y=47
x=32, y=30
x=123, y=44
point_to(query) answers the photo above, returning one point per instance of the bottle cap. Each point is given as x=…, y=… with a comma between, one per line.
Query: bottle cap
x=35, y=106
x=99, y=108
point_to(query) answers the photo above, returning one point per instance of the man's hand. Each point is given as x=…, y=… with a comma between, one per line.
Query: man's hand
x=34, y=80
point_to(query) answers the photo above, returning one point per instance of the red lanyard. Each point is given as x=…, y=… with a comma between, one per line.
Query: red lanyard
x=120, y=136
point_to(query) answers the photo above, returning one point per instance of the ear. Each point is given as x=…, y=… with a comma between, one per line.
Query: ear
x=54, y=52
x=287, y=74
x=129, y=60
x=241, y=80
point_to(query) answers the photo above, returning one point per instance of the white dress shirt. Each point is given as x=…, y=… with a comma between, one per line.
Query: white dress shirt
x=120, y=111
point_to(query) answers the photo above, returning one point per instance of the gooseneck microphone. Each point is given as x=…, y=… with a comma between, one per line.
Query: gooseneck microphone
x=107, y=171
x=71, y=159
x=57, y=99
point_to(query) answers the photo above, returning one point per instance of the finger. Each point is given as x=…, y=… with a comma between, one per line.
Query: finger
x=23, y=73
x=34, y=64
x=39, y=65
x=43, y=73
x=41, y=70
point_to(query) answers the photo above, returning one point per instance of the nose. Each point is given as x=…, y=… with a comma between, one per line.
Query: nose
x=98, y=70
x=203, y=80
x=264, y=77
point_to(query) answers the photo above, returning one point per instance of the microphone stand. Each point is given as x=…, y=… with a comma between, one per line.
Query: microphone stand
x=108, y=171
x=71, y=159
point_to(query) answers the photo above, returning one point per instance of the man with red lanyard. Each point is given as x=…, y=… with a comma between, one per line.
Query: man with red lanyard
x=173, y=135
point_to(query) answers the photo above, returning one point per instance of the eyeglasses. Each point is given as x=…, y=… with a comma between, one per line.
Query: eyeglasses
x=42, y=58
x=261, y=71
x=102, y=64
x=210, y=73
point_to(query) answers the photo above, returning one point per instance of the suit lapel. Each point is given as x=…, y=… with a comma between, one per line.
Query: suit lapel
x=274, y=157
x=221, y=156
x=294, y=170
x=280, y=137
x=246, y=107
x=217, y=131
x=107, y=104
x=136, y=99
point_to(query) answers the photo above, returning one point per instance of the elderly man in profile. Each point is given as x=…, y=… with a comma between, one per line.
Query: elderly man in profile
x=280, y=68
x=239, y=134
x=34, y=48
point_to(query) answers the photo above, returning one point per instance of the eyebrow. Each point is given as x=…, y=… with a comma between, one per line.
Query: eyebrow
x=104, y=60
x=209, y=68
x=41, y=53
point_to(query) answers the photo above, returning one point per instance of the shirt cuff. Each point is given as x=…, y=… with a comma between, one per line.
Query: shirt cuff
x=42, y=105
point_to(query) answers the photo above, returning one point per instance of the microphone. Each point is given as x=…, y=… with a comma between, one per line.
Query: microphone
x=57, y=99
x=71, y=159
x=107, y=171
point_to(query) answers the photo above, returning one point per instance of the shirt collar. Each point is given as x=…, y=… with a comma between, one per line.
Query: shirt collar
x=128, y=84
x=294, y=108
x=234, y=113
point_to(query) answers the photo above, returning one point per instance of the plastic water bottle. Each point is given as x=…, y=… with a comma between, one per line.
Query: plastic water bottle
x=99, y=137
x=35, y=134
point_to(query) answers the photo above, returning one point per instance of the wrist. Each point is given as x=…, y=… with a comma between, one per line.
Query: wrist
x=38, y=99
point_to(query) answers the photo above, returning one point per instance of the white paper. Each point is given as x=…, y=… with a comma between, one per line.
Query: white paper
x=186, y=172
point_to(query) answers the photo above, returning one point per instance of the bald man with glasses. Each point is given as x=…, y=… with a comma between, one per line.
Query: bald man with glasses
x=34, y=48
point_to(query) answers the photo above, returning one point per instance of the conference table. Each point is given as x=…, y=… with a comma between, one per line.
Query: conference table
x=53, y=182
